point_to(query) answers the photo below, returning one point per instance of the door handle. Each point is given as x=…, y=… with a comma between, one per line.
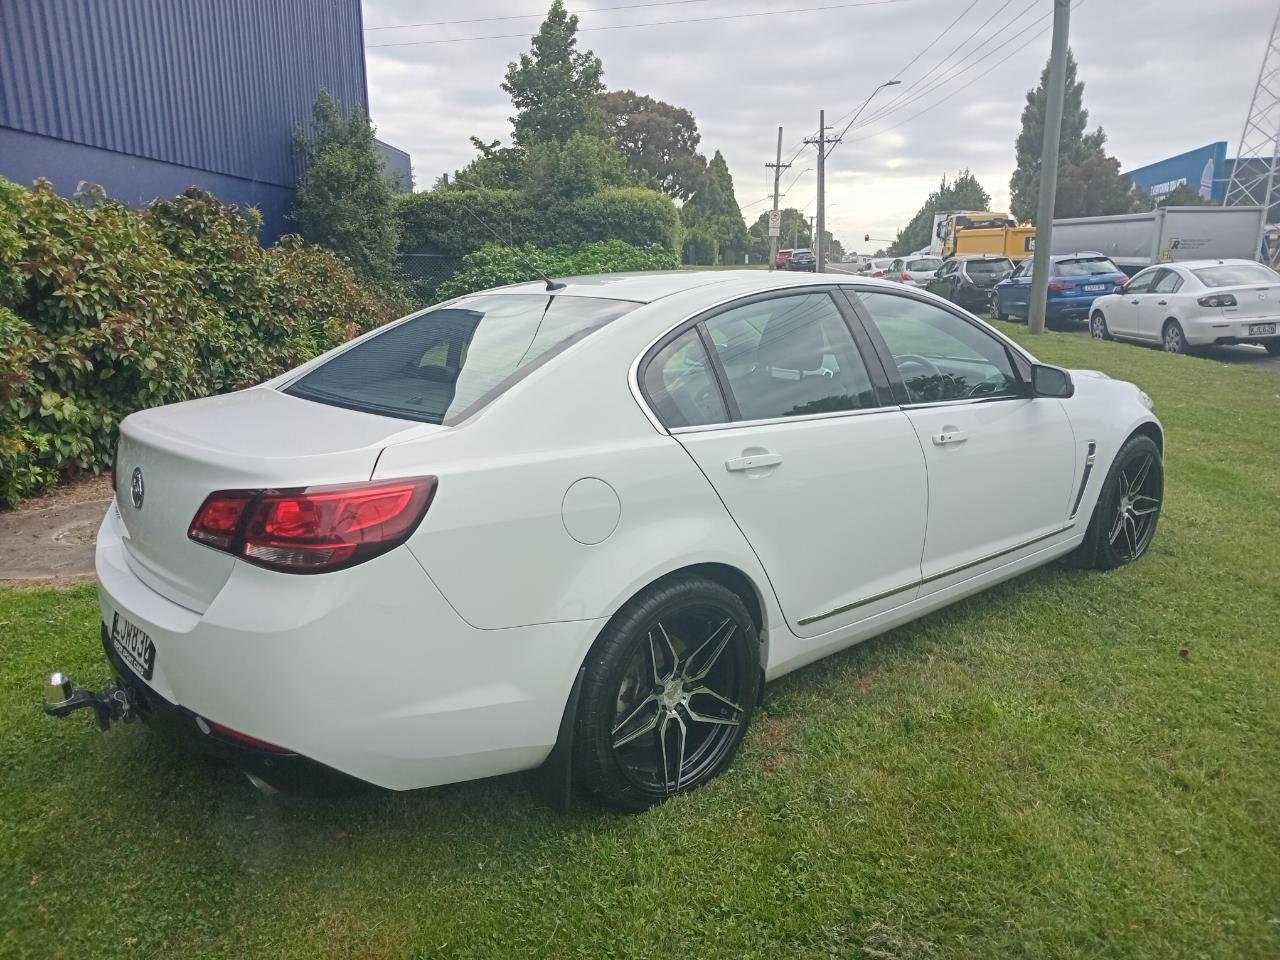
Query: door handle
x=1163, y=303
x=1133, y=301
x=754, y=462
x=950, y=436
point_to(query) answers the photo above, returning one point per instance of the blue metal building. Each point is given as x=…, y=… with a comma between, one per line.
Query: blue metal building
x=1203, y=170
x=149, y=97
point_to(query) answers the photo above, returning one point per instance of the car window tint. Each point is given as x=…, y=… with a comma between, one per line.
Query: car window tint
x=1142, y=282
x=680, y=386
x=940, y=356
x=987, y=267
x=1236, y=274
x=790, y=356
x=1024, y=268
x=924, y=265
x=1169, y=282
x=1085, y=267
x=443, y=364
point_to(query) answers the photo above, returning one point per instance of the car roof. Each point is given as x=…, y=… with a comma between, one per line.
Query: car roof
x=1197, y=264
x=650, y=286
x=969, y=257
x=1079, y=255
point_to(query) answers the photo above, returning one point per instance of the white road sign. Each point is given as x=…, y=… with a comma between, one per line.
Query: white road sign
x=775, y=222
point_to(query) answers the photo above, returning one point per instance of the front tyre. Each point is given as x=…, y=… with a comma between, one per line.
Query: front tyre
x=668, y=691
x=1098, y=326
x=996, y=310
x=1175, y=341
x=1128, y=508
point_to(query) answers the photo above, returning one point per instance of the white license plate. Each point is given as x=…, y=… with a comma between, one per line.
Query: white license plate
x=1261, y=329
x=134, y=646
x=1091, y=287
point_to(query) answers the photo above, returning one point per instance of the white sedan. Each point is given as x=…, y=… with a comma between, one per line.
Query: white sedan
x=579, y=525
x=913, y=271
x=1192, y=304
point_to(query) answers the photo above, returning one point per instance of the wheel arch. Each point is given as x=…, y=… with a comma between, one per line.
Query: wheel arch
x=1150, y=429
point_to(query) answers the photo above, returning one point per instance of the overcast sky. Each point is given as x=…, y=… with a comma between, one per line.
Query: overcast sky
x=1161, y=77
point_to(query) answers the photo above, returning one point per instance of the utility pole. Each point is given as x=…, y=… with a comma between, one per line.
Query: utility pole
x=821, y=142
x=1049, y=166
x=778, y=166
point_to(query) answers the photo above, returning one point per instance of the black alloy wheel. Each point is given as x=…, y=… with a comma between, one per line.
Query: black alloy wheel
x=1124, y=519
x=669, y=690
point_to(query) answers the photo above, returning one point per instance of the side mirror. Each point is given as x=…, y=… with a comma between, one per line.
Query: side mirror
x=1121, y=284
x=1049, y=381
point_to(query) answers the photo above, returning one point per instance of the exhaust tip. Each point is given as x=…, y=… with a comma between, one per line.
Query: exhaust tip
x=262, y=786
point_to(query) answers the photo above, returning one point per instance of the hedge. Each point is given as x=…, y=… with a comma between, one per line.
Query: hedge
x=494, y=265
x=105, y=310
x=452, y=221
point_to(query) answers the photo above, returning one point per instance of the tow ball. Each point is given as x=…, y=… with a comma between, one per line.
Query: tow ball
x=109, y=705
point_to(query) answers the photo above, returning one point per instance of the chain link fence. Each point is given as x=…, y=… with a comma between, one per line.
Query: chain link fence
x=423, y=273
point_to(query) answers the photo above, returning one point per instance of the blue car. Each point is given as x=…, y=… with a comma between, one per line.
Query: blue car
x=1075, y=281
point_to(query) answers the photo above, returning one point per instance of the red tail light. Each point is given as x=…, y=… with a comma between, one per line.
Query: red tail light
x=1217, y=300
x=906, y=277
x=1058, y=286
x=313, y=529
x=877, y=273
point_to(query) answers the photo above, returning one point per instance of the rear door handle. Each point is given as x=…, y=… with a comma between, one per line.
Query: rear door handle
x=950, y=436
x=1163, y=303
x=753, y=462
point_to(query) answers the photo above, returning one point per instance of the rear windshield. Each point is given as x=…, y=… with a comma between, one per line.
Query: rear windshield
x=442, y=365
x=802, y=253
x=1236, y=275
x=1085, y=267
x=930, y=263
x=985, y=267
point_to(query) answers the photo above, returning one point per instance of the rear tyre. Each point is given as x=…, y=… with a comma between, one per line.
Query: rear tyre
x=1098, y=326
x=1175, y=341
x=669, y=688
x=1127, y=510
x=1273, y=347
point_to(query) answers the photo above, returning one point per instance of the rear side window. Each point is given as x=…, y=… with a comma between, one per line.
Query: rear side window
x=1236, y=275
x=930, y=263
x=680, y=385
x=443, y=365
x=1085, y=267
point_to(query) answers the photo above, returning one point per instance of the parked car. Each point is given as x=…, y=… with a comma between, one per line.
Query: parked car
x=877, y=267
x=802, y=259
x=780, y=261
x=914, y=271
x=1194, y=303
x=1076, y=280
x=540, y=525
x=967, y=280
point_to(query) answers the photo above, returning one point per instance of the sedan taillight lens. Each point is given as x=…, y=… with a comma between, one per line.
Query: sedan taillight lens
x=313, y=529
x=1060, y=286
x=1217, y=300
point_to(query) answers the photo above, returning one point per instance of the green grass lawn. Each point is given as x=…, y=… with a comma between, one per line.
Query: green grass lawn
x=1071, y=765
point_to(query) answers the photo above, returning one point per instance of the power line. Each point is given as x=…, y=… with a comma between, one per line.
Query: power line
x=652, y=23
x=529, y=16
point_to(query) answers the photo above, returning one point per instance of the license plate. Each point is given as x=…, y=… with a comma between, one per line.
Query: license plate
x=1261, y=329
x=1091, y=287
x=133, y=645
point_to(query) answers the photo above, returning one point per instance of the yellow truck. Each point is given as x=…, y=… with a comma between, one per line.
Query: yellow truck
x=1016, y=243
x=948, y=224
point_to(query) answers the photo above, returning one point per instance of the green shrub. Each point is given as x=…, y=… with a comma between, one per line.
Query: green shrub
x=106, y=310
x=638, y=217
x=495, y=265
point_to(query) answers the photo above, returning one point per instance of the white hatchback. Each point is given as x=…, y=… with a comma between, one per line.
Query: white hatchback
x=581, y=526
x=1194, y=303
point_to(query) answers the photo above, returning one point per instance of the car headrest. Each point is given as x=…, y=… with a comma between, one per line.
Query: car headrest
x=792, y=341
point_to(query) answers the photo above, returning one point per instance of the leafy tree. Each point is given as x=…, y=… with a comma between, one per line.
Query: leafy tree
x=1089, y=181
x=344, y=201
x=496, y=168
x=962, y=193
x=713, y=211
x=555, y=89
x=794, y=232
x=659, y=141
x=581, y=166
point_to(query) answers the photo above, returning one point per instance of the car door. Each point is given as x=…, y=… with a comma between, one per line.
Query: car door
x=1124, y=315
x=1154, y=308
x=941, y=282
x=815, y=462
x=1001, y=464
x=1016, y=292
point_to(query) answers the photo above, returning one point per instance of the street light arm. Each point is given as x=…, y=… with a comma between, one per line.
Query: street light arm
x=835, y=140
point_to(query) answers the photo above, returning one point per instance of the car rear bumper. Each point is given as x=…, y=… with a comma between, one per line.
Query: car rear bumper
x=1214, y=330
x=367, y=671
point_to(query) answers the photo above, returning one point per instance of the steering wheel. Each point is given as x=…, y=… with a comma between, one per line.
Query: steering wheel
x=991, y=384
x=904, y=360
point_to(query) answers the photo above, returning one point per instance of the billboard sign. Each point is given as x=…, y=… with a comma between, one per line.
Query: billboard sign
x=1203, y=170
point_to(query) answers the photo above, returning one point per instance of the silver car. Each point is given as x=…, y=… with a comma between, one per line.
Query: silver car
x=913, y=271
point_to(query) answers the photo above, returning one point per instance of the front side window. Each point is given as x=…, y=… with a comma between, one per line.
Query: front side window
x=681, y=386
x=940, y=356
x=790, y=356
x=1142, y=282
x=925, y=265
x=442, y=365
x=1024, y=268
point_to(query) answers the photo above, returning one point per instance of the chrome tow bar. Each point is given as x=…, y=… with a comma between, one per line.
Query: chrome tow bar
x=110, y=705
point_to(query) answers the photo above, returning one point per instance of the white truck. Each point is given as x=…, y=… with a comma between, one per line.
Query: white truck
x=1137, y=240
